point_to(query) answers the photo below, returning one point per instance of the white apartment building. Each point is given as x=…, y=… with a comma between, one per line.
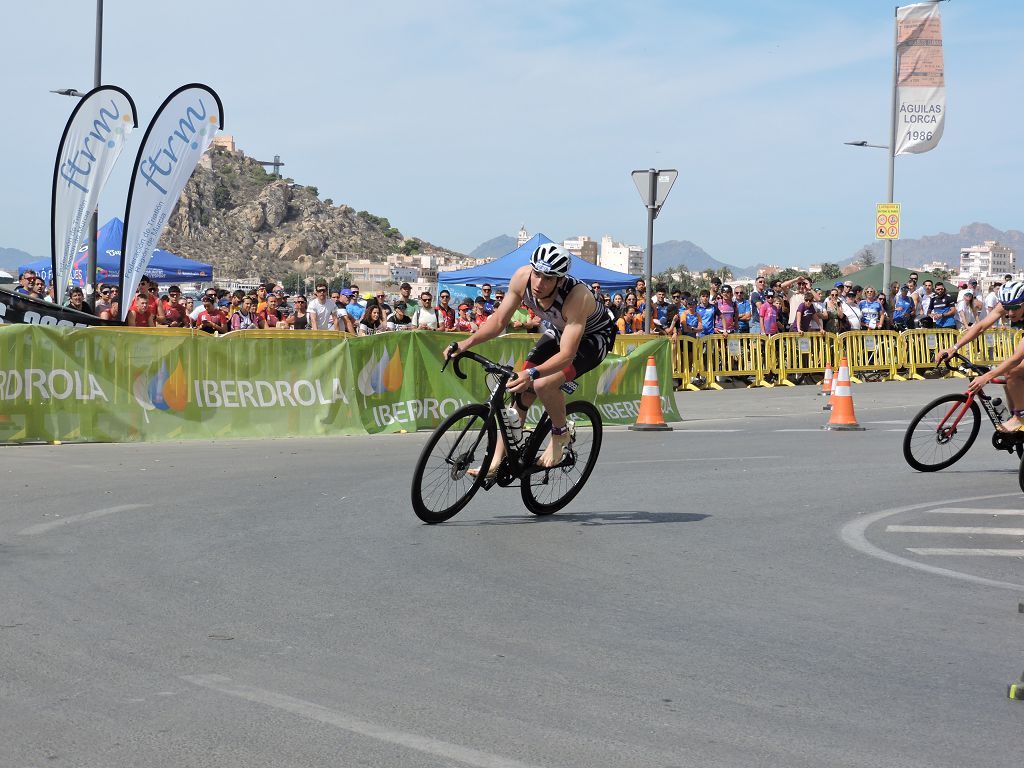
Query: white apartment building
x=988, y=260
x=582, y=246
x=621, y=257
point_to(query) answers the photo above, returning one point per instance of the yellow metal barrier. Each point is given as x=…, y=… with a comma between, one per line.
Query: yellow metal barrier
x=738, y=354
x=791, y=354
x=686, y=358
x=992, y=347
x=877, y=351
x=920, y=347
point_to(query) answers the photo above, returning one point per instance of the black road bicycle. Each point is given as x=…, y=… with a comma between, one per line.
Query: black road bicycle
x=442, y=483
x=945, y=429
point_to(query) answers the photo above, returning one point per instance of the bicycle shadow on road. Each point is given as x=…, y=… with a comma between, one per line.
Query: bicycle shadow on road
x=624, y=517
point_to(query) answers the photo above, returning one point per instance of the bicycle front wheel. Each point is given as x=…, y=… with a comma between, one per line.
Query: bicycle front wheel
x=547, y=491
x=941, y=433
x=441, y=482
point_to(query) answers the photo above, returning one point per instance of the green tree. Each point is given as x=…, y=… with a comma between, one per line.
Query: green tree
x=221, y=196
x=829, y=271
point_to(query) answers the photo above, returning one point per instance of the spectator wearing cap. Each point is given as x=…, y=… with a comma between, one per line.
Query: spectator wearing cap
x=769, y=312
x=725, y=311
x=342, y=318
x=405, y=296
x=446, y=310
x=464, y=321
x=480, y=312
x=399, y=320
x=969, y=309
x=904, y=309
x=174, y=309
x=322, y=311
x=802, y=285
x=355, y=307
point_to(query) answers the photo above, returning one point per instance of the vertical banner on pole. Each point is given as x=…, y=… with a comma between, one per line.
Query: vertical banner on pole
x=93, y=139
x=179, y=134
x=920, y=78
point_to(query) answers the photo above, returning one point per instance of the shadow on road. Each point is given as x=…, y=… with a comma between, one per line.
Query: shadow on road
x=625, y=517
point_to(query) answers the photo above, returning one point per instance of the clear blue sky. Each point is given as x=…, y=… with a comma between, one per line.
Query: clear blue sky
x=461, y=120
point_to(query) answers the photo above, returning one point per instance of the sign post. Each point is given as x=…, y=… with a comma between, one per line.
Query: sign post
x=653, y=187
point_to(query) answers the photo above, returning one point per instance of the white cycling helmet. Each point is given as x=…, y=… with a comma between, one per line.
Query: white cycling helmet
x=549, y=259
x=1011, y=295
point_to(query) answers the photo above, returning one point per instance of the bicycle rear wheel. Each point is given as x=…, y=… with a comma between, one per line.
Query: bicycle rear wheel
x=441, y=483
x=547, y=491
x=933, y=440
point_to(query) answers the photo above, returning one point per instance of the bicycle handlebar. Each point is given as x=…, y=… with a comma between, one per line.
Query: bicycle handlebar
x=963, y=363
x=489, y=365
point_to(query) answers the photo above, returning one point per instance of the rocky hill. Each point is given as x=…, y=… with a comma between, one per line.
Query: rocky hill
x=244, y=221
x=946, y=247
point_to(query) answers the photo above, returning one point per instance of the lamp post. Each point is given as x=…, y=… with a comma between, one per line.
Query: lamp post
x=90, y=269
x=887, y=259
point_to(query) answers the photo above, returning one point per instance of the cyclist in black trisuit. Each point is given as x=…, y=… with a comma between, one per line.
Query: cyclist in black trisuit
x=578, y=333
x=1011, y=302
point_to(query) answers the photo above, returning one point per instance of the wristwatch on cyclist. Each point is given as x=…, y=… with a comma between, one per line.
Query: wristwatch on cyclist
x=532, y=373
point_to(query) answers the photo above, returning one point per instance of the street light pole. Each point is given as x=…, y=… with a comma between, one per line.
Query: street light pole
x=90, y=269
x=648, y=272
x=890, y=189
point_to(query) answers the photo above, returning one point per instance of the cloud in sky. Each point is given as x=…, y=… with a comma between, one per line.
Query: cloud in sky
x=461, y=121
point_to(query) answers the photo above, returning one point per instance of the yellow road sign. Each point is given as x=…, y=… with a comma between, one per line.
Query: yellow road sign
x=887, y=221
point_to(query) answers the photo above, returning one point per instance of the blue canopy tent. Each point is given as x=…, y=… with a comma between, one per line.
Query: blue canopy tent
x=165, y=266
x=499, y=271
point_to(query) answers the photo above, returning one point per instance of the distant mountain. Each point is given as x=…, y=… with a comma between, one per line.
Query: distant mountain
x=494, y=248
x=12, y=258
x=672, y=253
x=912, y=253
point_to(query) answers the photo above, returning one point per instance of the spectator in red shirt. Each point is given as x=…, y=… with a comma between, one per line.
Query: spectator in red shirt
x=270, y=317
x=211, y=318
x=142, y=316
x=174, y=310
x=446, y=310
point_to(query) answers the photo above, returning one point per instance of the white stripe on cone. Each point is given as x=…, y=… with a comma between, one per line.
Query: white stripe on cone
x=651, y=389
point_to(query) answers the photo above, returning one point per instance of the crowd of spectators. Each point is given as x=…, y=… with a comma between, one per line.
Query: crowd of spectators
x=775, y=306
x=772, y=306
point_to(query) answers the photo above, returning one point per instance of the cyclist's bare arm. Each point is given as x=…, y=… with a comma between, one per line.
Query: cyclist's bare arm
x=496, y=323
x=1000, y=370
x=972, y=333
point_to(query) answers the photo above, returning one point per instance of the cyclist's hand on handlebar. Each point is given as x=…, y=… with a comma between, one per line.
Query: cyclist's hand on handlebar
x=944, y=354
x=521, y=383
x=452, y=350
x=978, y=382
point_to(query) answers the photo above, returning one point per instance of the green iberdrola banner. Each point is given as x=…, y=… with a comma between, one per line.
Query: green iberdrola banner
x=120, y=385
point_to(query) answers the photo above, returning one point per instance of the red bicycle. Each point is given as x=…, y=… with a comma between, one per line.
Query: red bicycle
x=945, y=429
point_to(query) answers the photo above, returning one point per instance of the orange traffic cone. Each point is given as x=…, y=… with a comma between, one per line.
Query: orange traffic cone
x=826, y=387
x=650, y=418
x=843, y=417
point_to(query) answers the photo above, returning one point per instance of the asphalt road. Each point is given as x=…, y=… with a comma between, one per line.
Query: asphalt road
x=746, y=590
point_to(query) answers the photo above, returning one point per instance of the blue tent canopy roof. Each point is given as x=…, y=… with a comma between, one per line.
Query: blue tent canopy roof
x=165, y=266
x=499, y=271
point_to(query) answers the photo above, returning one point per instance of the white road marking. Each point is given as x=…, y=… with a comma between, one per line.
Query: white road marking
x=974, y=511
x=35, y=530
x=853, y=536
x=707, y=431
x=952, y=551
x=960, y=529
x=698, y=458
x=320, y=714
